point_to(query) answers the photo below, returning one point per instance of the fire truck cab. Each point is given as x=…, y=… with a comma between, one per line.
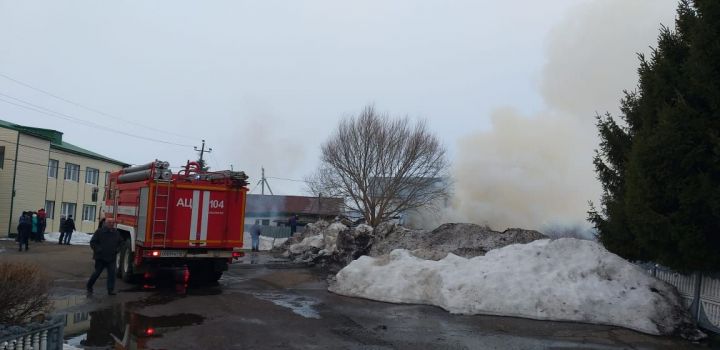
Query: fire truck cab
x=192, y=220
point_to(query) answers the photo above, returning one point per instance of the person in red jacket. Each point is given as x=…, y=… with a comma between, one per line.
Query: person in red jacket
x=42, y=222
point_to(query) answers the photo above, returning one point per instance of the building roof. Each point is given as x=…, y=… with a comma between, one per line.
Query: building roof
x=56, y=141
x=262, y=205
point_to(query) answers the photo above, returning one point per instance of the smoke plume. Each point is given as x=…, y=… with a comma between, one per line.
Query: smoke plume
x=536, y=171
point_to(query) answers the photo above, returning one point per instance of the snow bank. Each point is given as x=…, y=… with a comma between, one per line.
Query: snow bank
x=565, y=279
x=266, y=243
x=321, y=244
x=78, y=238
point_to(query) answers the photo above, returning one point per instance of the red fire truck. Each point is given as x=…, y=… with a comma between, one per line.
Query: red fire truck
x=192, y=220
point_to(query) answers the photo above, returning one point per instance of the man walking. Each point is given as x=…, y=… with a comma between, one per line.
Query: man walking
x=69, y=229
x=62, y=229
x=105, y=244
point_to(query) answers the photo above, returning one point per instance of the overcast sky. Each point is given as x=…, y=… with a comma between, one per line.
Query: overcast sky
x=264, y=82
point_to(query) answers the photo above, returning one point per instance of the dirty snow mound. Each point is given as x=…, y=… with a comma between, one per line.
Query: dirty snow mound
x=268, y=243
x=330, y=245
x=322, y=244
x=466, y=240
x=565, y=279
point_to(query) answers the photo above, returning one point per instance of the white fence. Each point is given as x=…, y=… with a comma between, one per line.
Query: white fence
x=700, y=293
x=45, y=336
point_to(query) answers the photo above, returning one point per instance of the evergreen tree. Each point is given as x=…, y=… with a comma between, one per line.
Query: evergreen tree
x=660, y=170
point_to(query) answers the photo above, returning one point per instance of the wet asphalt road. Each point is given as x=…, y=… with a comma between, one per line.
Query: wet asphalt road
x=266, y=304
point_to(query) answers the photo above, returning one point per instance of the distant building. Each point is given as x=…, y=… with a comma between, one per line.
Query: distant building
x=40, y=170
x=275, y=211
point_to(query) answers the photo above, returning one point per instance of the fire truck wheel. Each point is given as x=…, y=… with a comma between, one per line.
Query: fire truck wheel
x=126, y=258
x=204, y=275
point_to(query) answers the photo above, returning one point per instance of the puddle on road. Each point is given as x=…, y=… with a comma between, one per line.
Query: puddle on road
x=301, y=305
x=118, y=324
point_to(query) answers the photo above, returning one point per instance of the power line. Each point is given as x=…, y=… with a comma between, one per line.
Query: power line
x=77, y=104
x=286, y=179
x=52, y=113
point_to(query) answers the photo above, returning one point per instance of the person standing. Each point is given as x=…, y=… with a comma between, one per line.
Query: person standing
x=24, y=229
x=34, y=228
x=293, y=224
x=62, y=229
x=69, y=229
x=255, y=232
x=42, y=220
x=105, y=244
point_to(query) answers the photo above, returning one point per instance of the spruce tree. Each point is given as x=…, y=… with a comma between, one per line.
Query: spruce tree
x=660, y=168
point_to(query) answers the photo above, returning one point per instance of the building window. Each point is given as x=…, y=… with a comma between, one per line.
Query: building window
x=53, y=168
x=2, y=156
x=72, y=172
x=50, y=209
x=68, y=209
x=88, y=213
x=91, y=176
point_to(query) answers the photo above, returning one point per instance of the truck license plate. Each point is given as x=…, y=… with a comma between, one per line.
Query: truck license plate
x=172, y=253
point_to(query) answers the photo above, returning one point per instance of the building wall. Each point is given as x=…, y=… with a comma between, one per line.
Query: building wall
x=30, y=181
x=60, y=190
x=8, y=139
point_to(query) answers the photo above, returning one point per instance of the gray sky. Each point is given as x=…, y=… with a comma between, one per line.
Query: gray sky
x=264, y=82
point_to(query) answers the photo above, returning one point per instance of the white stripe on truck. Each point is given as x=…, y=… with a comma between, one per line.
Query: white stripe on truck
x=194, y=215
x=204, y=220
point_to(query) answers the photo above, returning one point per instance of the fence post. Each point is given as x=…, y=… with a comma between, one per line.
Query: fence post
x=696, y=296
x=43, y=340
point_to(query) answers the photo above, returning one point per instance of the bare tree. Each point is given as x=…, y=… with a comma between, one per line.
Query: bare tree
x=382, y=166
x=24, y=292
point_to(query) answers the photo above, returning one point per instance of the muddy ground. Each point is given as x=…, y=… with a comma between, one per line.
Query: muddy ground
x=265, y=303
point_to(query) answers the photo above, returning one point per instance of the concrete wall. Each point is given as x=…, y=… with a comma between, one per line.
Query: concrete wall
x=8, y=139
x=60, y=190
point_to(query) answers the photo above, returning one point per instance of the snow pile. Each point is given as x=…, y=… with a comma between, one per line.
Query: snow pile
x=324, y=243
x=266, y=243
x=467, y=240
x=565, y=279
x=78, y=238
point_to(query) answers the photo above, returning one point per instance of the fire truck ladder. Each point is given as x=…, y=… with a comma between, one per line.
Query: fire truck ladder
x=161, y=213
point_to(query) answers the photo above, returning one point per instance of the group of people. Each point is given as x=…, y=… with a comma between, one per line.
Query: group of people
x=67, y=227
x=31, y=227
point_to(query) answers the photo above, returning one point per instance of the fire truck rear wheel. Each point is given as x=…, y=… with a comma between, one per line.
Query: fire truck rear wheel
x=126, y=268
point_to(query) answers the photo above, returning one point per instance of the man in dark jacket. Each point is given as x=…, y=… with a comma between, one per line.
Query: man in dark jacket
x=105, y=244
x=24, y=229
x=62, y=229
x=69, y=229
x=293, y=224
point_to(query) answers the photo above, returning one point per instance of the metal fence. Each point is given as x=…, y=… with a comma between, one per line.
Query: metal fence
x=43, y=336
x=700, y=293
x=272, y=231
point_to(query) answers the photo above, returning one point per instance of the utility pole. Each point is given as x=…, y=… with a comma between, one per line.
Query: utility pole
x=202, y=151
x=263, y=182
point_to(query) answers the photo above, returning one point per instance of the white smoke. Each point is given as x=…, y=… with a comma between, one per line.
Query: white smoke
x=536, y=171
